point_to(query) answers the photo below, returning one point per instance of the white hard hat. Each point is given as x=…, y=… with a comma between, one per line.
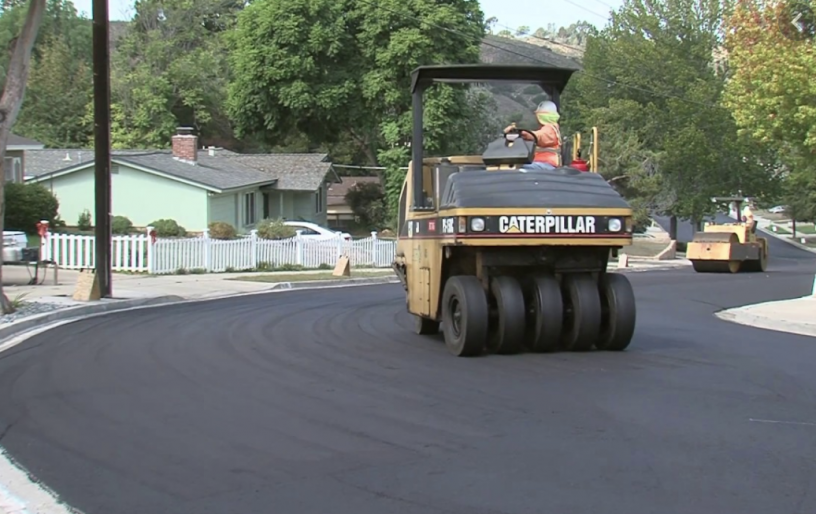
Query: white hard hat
x=547, y=106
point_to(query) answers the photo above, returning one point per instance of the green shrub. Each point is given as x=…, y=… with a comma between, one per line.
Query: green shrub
x=221, y=230
x=168, y=228
x=275, y=229
x=84, y=221
x=27, y=205
x=121, y=225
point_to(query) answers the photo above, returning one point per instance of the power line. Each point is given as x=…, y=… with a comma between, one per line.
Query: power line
x=587, y=9
x=606, y=4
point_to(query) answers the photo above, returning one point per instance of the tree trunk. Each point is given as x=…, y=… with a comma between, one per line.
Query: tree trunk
x=10, y=103
x=673, y=228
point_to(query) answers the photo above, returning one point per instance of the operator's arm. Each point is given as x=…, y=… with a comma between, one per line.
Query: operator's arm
x=524, y=135
x=547, y=137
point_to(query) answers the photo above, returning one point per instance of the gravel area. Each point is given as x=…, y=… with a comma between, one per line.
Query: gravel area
x=30, y=309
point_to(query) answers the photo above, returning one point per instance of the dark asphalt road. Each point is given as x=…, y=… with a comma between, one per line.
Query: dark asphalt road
x=325, y=402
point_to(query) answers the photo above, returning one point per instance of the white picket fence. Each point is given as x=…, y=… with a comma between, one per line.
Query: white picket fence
x=140, y=253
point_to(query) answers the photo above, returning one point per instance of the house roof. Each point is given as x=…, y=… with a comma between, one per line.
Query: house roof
x=208, y=171
x=16, y=142
x=336, y=194
x=294, y=171
x=225, y=170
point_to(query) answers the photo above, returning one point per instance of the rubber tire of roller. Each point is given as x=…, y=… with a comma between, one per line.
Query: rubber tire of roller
x=545, y=314
x=618, y=327
x=507, y=333
x=471, y=338
x=583, y=324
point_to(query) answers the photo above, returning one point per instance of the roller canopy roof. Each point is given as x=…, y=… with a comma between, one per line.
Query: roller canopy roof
x=424, y=76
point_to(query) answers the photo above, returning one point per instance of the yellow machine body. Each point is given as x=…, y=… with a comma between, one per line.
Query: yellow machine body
x=503, y=255
x=425, y=250
x=727, y=248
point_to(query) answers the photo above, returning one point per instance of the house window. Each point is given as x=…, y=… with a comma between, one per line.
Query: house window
x=12, y=169
x=249, y=208
x=319, y=200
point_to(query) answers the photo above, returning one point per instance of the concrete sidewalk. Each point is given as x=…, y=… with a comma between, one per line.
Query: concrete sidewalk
x=796, y=316
x=192, y=286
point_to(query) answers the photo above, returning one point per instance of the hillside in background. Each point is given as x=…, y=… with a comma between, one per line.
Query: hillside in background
x=516, y=102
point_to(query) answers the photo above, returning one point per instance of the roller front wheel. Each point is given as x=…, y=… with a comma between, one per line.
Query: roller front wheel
x=582, y=312
x=507, y=333
x=618, y=312
x=464, y=316
x=545, y=313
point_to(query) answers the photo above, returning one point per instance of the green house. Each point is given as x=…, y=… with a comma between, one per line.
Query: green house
x=190, y=185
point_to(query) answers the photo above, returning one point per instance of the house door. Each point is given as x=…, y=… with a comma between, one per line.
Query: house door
x=266, y=208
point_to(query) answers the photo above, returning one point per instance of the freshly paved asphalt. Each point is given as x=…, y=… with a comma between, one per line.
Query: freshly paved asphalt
x=325, y=402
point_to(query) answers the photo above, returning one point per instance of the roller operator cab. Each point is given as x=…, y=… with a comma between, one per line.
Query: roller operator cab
x=508, y=259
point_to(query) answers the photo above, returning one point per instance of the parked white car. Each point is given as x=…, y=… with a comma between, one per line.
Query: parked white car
x=779, y=209
x=314, y=231
x=14, y=242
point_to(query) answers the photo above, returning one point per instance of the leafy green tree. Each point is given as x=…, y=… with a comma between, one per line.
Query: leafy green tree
x=651, y=77
x=60, y=80
x=11, y=99
x=367, y=201
x=59, y=21
x=340, y=70
x=771, y=95
x=169, y=69
x=60, y=88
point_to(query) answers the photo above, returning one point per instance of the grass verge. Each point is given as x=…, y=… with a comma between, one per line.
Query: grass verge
x=303, y=277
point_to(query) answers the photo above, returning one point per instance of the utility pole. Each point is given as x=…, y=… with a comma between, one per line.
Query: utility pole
x=102, y=152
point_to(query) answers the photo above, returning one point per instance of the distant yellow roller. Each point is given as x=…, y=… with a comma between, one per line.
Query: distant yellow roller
x=728, y=248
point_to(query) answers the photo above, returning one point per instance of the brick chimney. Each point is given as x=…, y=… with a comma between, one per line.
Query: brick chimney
x=185, y=144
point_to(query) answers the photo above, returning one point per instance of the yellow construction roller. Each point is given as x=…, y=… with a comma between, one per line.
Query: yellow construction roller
x=727, y=248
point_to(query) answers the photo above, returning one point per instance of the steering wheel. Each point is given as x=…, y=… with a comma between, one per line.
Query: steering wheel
x=515, y=133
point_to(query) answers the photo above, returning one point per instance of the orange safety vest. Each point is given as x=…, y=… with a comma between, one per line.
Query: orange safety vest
x=550, y=155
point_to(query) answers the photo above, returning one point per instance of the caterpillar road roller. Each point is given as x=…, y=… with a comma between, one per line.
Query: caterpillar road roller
x=504, y=258
x=728, y=247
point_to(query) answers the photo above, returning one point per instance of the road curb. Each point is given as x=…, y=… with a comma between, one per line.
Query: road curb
x=82, y=311
x=752, y=320
x=327, y=284
x=787, y=240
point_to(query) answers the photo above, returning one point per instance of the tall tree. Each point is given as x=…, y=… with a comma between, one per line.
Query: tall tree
x=654, y=69
x=335, y=69
x=170, y=69
x=60, y=88
x=11, y=99
x=771, y=47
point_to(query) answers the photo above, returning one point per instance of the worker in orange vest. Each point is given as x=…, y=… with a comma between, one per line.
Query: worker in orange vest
x=548, y=137
x=748, y=217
